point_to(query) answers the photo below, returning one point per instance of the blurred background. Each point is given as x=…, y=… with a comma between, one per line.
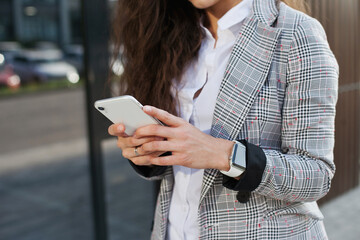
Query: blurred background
x=62, y=177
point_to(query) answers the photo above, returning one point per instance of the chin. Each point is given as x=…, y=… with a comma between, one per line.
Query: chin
x=203, y=4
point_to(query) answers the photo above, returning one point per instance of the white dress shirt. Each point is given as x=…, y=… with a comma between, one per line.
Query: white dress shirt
x=206, y=72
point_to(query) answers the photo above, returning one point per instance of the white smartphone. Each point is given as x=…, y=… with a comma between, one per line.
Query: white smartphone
x=126, y=110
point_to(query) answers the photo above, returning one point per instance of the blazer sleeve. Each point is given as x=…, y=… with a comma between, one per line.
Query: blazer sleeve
x=303, y=169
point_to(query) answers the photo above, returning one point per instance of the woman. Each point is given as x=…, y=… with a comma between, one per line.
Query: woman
x=248, y=84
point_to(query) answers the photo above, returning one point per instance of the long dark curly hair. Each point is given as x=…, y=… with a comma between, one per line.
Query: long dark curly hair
x=156, y=40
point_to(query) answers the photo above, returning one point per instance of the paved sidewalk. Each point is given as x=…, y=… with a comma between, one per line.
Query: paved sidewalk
x=45, y=194
x=342, y=216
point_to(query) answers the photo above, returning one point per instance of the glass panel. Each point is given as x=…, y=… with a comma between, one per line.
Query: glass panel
x=130, y=198
x=43, y=30
x=44, y=173
x=44, y=180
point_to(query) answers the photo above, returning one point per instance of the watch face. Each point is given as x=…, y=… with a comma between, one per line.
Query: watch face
x=239, y=156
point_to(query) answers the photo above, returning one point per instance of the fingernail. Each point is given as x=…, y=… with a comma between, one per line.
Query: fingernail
x=147, y=108
x=120, y=128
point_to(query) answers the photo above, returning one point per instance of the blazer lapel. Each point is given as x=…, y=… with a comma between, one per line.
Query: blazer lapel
x=246, y=72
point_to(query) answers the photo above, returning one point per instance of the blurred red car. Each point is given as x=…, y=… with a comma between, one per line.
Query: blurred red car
x=8, y=78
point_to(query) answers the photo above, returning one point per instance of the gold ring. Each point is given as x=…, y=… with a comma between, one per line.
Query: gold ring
x=136, y=152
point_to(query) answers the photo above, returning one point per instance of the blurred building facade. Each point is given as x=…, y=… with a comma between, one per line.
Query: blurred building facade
x=28, y=21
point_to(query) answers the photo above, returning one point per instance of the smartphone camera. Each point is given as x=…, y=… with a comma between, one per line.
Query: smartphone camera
x=101, y=108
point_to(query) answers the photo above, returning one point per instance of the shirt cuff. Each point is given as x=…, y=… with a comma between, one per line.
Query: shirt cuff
x=255, y=166
x=150, y=171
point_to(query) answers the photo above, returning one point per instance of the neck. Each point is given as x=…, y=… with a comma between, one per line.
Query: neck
x=215, y=12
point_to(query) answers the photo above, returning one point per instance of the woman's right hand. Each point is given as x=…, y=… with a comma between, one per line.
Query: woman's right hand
x=127, y=144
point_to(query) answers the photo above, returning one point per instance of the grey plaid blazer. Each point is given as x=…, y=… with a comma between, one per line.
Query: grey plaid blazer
x=279, y=93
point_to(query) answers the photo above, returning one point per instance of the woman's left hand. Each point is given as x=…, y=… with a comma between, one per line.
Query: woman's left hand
x=189, y=146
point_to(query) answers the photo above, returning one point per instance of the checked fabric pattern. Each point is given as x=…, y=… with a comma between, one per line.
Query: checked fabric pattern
x=278, y=92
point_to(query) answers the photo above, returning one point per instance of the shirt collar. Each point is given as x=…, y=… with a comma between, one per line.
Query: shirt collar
x=235, y=15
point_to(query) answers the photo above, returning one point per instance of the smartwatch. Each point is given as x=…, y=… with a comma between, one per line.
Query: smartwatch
x=237, y=160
